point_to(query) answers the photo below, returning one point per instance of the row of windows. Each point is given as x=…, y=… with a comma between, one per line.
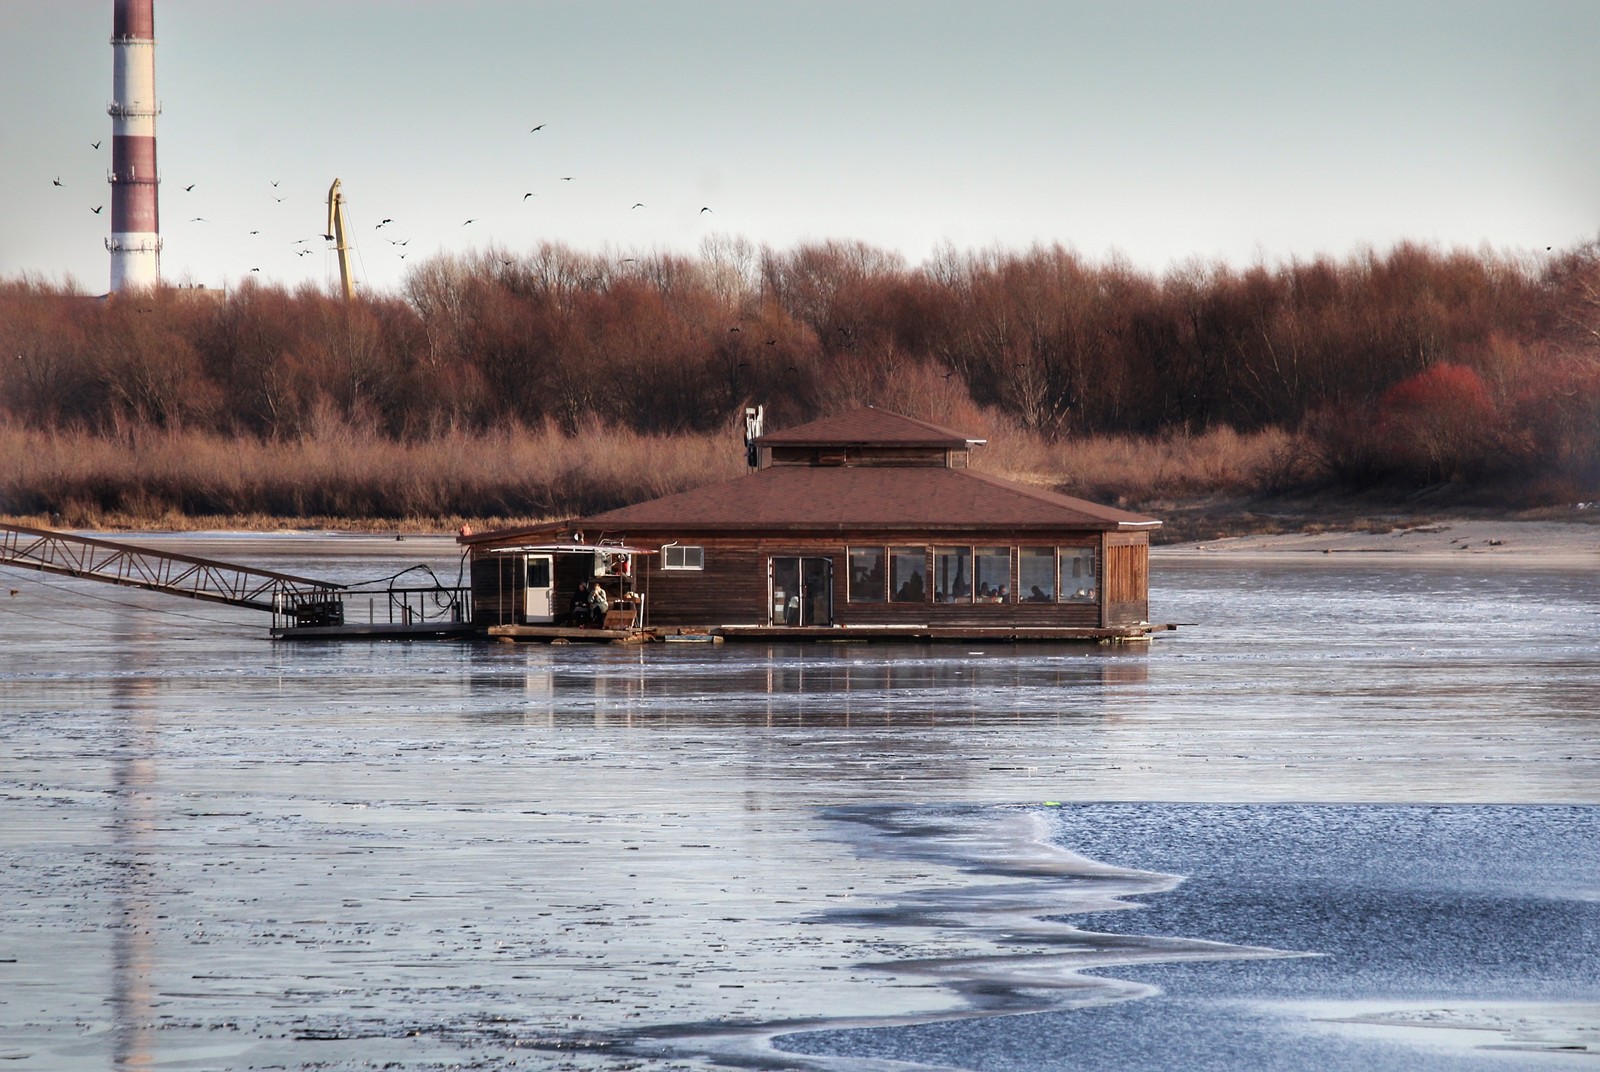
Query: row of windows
x=972, y=575
x=957, y=574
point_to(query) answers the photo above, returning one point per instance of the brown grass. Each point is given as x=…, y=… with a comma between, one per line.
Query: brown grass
x=147, y=476
x=1148, y=471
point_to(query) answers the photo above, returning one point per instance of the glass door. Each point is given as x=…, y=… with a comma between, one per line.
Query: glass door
x=538, y=602
x=802, y=591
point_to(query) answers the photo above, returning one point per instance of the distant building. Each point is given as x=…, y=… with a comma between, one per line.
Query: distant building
x=868, y=524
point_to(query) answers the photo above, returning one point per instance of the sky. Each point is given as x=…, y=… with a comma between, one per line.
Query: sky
x=1162, y=132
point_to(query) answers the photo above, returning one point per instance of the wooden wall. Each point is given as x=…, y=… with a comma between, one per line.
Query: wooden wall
x=733, y=587
x=1127, y=578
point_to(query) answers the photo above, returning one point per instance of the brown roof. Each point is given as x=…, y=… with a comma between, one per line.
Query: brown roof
x=802, y=498
x=868, y=425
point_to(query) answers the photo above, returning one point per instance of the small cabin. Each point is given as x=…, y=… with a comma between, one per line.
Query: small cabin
x=866, y=524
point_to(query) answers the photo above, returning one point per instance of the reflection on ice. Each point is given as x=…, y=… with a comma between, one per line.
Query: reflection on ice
x=221, y=851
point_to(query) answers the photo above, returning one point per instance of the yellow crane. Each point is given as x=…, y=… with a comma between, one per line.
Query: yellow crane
x=335, y=234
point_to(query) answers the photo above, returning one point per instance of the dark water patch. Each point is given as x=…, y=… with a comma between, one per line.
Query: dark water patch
x=1467, y=908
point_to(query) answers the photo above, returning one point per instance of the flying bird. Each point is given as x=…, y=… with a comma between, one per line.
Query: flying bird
x=94, y=145
x=274, y=183
x=55, y=181
x=255, y=232
x=566, y=178
x=539, y=127
x=279, y=200
x=189, y=187
x=705, y=209
x=638, y=204
x=96, y=211
x=526, y=196
x=199, y=219
x=255, y=269
x=469, y=221
x=327, y=238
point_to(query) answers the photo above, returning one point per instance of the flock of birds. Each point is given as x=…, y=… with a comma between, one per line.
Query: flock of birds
x=398, y=244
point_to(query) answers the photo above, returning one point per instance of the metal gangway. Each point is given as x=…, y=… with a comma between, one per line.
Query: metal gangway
x=300, y=606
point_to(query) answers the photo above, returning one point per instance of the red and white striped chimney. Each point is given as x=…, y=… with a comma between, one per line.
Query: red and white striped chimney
x=135, y=241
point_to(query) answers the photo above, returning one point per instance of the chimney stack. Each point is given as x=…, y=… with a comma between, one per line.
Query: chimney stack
x=135, y=241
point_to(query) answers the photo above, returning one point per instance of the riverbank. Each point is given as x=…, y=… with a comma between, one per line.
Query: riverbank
x=1565, y=544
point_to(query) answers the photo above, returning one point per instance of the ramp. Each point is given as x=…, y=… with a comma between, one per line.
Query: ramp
x=159, y=571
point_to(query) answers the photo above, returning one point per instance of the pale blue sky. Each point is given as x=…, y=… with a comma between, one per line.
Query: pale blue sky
x=1159, y=129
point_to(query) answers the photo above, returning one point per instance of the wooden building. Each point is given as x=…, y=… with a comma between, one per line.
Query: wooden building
x=867, y=524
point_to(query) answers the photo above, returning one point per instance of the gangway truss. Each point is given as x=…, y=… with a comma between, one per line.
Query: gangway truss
x=168, y=571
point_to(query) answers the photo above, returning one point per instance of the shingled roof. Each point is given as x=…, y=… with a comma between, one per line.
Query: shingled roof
x=928, y=498
x=801, y=498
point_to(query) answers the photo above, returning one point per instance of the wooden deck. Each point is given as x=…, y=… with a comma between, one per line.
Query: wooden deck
x=568, y=634
x=825, y=634
x=1010, y=634
x=377, y=631
x=716, y=634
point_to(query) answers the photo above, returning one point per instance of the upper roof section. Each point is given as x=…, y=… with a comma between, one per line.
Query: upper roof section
x=868, y=426
x=868, y=436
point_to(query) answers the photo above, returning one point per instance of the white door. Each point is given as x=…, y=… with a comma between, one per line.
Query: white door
x=538, y=604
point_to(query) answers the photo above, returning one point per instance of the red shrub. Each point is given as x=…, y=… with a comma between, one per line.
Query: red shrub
x=1440, y=424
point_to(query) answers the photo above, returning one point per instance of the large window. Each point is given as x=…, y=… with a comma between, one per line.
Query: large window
x=866, y=575
x=1036, y=575
x=908, y=581
x=992, y=573
x=1079, y=583
x=952, y=575
x=677, y=556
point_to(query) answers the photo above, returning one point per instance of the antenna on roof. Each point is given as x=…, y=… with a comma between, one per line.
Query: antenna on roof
x=753, y=418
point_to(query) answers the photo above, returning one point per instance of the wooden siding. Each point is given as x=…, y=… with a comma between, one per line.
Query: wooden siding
x=920, y=457
x=733, y=587
x=1127, y=578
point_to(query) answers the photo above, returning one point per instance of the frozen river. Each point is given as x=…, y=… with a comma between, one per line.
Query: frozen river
x=1347, y=820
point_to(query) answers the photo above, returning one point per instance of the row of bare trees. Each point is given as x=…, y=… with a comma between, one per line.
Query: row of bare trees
x=1416, y=362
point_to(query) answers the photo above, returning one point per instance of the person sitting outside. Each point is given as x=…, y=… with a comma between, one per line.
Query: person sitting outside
x=599, y=603
x=578, y=612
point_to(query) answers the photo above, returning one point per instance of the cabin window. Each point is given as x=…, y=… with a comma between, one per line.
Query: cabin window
x=677, y=556
x=1078, y=579
x=866, y=575
x=1036, y=575
x=908, y=581
x=952, y=575
x=992, y=574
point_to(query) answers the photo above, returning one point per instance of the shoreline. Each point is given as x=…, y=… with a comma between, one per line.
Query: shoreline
x=1476, y=542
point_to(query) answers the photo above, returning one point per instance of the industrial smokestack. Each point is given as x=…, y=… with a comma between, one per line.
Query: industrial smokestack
x=135, y=241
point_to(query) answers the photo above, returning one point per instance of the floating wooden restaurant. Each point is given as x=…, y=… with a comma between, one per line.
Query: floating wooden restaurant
x=864, y=525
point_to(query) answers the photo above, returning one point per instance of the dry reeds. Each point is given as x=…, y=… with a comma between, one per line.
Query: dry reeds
x=1149, y=470
x=337, y=471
